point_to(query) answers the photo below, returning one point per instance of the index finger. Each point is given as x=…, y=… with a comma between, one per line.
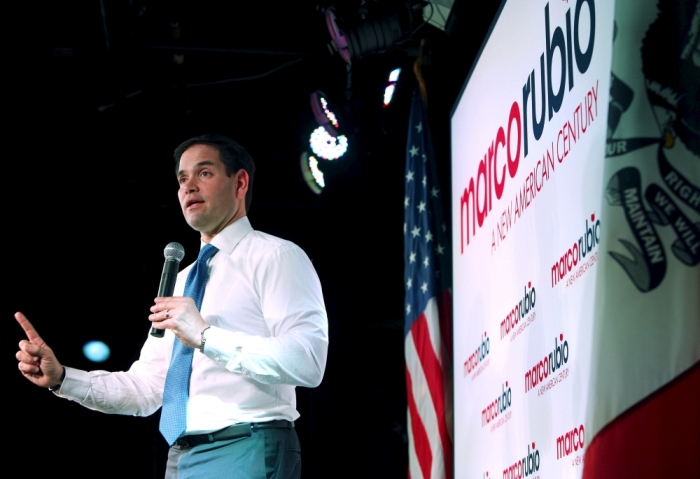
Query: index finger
x=165, y=302
x=29, y=330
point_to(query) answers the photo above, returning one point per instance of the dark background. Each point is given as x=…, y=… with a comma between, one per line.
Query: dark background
x=98, y=94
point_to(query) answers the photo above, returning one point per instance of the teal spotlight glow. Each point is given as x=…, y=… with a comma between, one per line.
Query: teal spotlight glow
x=96, y=351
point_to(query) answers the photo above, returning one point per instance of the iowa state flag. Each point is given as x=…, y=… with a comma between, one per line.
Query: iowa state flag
x=645, y=379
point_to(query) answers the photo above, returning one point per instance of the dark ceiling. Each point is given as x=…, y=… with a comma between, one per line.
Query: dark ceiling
x=98, y=94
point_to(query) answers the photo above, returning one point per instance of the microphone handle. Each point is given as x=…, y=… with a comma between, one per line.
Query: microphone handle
x=167, y=287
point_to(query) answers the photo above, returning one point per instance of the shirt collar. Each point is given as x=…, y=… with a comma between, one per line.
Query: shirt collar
x=227, y=239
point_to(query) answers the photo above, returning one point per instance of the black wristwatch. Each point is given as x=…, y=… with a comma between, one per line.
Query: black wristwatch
x=56, y=387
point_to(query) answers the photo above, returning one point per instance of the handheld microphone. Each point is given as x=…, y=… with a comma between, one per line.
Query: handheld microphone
x=174, y=253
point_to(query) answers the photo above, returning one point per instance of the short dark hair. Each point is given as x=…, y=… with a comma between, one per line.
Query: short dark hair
x=232, y=155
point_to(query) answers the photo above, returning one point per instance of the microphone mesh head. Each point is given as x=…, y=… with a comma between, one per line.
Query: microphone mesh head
x=174, y=251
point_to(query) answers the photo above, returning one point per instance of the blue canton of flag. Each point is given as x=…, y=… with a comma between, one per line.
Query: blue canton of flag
x=427, y=307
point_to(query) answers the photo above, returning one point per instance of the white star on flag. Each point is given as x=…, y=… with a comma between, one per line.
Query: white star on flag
x=416, y=231
x=412, y=259
x=419, y=127
x=421, y=206
x=428, y=236
x=414, y=151
x=424, y=287
x=409, y=176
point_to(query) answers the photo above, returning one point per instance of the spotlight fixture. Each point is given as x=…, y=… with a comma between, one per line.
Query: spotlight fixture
x=391, y=86
x=327, y=146
x=369, y=37
x=312, y=174
x=337, y=37
x=325, y=141
x=323, y=114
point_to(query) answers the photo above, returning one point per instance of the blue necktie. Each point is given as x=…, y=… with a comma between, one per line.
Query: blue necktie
x=173, y=417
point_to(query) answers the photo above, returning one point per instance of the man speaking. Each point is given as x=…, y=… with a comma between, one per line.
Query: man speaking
x=246, y=324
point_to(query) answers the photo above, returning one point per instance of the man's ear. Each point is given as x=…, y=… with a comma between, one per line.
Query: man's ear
x=241, y=183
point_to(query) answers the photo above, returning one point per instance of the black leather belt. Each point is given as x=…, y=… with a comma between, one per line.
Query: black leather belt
x=232, y=432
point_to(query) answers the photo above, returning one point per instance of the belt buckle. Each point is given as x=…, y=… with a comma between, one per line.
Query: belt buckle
x=195, y=440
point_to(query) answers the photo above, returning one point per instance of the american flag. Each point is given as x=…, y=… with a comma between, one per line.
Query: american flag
x=428, y=307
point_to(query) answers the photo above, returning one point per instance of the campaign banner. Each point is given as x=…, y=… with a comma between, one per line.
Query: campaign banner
x=528, y=151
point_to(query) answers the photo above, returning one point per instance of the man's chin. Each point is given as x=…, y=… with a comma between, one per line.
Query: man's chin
x=196, y=222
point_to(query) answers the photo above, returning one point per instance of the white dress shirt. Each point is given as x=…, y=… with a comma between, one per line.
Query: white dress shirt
x=269, y=333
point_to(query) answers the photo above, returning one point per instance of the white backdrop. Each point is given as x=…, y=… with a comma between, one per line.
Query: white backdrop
x=525, y=229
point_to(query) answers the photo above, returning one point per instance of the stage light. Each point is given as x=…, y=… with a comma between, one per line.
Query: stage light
x=96, y=351
x=337, y=37
x=394, y=75
x=438, y=14
x=329, y=114
x=388, y=93
x=321, y=109
x=312, y=174
x=369, y=37
x=326, y=145
x=391, y=87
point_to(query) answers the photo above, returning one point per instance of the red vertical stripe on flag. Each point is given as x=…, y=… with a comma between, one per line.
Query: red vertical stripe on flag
x=433, y=374
x=421, y=443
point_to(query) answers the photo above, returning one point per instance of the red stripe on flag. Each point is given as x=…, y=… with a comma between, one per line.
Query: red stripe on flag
x=421, y=444
x=433, y=375
x=656, y=438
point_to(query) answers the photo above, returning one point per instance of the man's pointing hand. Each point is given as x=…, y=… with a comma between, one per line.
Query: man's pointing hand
x=37, y=361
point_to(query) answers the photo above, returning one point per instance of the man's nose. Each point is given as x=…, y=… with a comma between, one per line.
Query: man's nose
x=190, y=185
